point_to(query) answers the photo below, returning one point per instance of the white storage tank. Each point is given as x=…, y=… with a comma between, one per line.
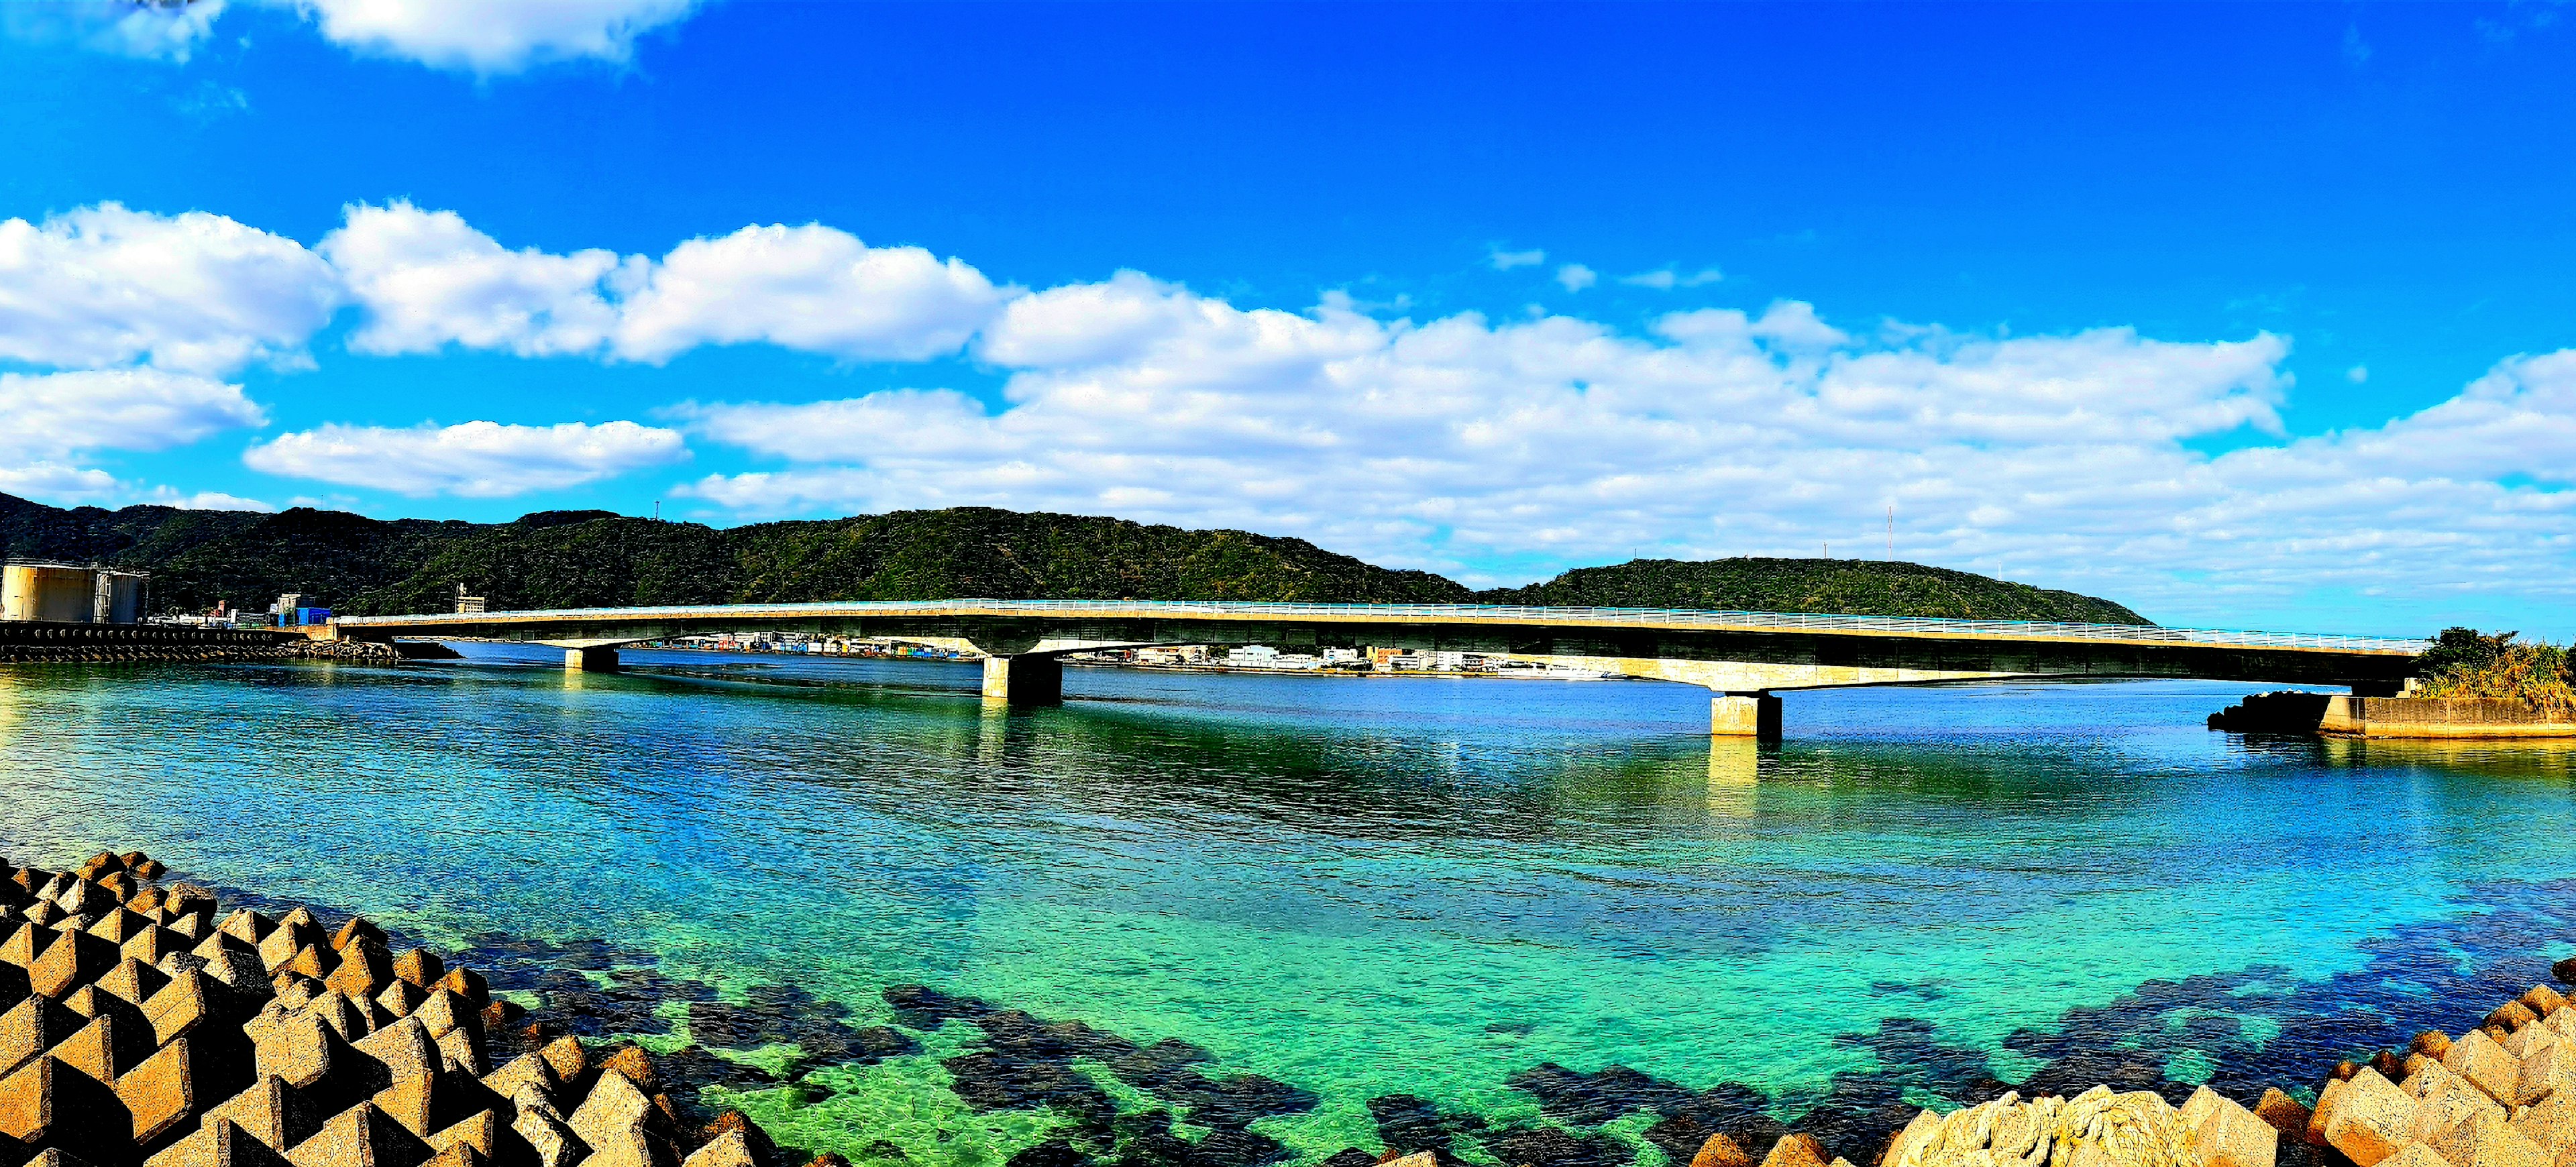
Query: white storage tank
x=61, y=592
x=120, y=597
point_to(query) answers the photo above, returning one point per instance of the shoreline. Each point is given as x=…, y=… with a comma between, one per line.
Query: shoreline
x=308, y=988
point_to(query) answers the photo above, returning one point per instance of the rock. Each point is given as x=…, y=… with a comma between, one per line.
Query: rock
x=2512, y=1015
x=271, y=1112
x=2344, y=1071
x=2385, y=1061
x=2488, y=1141
x=2283, y=1113
x=1795, y=1150
x=572, y=1063
x=361, y=1136
x=730, y=1149
x=2549, y=1068
x=1721, y=1151
x=218, y=1143
x=2543, y=1000
x=2224, y=1134
x=2565, y=971
x=2371, y=1119
x=636, y=1065
x=2443, y=1100
x=2478, y=1058
x=763, y=1152
x=2551, y=1122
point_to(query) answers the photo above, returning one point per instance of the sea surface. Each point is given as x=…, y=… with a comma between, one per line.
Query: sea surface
x=1237, y=919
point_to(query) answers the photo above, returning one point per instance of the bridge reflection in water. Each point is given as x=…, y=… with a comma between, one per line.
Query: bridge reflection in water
x=1743, y=658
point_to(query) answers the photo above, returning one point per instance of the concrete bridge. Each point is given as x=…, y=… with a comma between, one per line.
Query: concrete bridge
x=1741, y=657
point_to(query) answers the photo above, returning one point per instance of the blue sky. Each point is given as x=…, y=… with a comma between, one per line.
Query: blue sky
x=2242, y=314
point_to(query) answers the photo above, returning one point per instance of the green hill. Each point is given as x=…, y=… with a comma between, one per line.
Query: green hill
x=1862, y=587
x=577, y=559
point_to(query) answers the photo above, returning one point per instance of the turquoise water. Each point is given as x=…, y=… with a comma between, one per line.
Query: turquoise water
x=1517, y=921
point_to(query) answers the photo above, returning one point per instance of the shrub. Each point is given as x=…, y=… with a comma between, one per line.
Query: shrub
x=2466, y=663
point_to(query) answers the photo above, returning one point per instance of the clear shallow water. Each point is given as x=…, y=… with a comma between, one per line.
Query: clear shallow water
x=1524, y=921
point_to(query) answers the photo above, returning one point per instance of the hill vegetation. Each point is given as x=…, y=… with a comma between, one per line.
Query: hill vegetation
x=570, y=559
x=1865, y=587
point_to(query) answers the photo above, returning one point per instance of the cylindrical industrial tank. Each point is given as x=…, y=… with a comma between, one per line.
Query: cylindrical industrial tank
x=47, y=591
x=124, y=596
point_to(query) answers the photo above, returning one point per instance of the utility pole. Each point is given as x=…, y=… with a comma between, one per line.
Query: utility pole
x=1891, y=532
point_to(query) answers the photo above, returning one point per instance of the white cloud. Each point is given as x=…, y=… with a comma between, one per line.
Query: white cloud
x=2358, y=374
x=51, y=422
x=427, y=279
x=491, y=36
x=813, y=288
x=207, y=500
x=61, y=485
x=2064, y=459
x=153, y=31
x=1577, y=277
x=59, y=415
x=1507, y=260
x=478, y=459
x=1666, y=279
x=194, y=292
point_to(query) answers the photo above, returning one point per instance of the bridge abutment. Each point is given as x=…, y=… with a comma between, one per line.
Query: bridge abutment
x=1026, y=679
x=1753, y=715
x=601, y=659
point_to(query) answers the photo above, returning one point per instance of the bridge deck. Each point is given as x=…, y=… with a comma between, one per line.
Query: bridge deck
x=1656, y=619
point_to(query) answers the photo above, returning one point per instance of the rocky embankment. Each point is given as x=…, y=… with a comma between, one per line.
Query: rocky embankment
x=2502, y=1095
x=143, y=1026
x=29, y=642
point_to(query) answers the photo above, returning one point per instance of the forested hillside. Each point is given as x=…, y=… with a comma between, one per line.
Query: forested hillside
x=569, y=559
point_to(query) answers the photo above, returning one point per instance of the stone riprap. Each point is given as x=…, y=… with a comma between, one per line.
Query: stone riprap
x=142, y=1026
x=2501, y=1095
x=39, y=642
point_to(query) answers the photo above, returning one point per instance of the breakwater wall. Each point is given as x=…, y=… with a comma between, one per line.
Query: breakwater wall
x=37, y=641
x=2339, y=715
x=141, y=1025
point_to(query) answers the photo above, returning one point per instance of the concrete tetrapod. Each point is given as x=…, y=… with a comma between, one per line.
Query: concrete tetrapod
x=140, y=1029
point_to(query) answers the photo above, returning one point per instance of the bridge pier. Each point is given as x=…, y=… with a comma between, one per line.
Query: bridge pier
x=1027, y=679
x=1753, y=715
x=601, y=659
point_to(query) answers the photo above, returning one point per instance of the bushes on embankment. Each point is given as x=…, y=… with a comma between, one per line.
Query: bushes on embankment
x=2464, y=662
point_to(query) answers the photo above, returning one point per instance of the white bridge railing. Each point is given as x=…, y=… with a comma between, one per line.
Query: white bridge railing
x=1675, y=618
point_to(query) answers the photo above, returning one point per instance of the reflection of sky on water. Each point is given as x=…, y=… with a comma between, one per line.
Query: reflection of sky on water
x=1365, y=888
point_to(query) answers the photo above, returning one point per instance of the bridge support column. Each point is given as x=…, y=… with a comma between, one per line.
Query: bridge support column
x=1029, y=679
x=591, y=660
x=1753, y=715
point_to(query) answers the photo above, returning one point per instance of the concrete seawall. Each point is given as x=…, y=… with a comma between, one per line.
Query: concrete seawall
x=2339, y=715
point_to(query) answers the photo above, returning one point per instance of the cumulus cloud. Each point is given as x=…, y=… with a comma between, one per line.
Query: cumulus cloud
x=52, y=422
x=58, y=415
x=193, y=292
x=1577, y=277
x=427, y=279
x=478, y=459
x=1558, y=440
x=1507, y=260
x=491, y=36
x=813, y=288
